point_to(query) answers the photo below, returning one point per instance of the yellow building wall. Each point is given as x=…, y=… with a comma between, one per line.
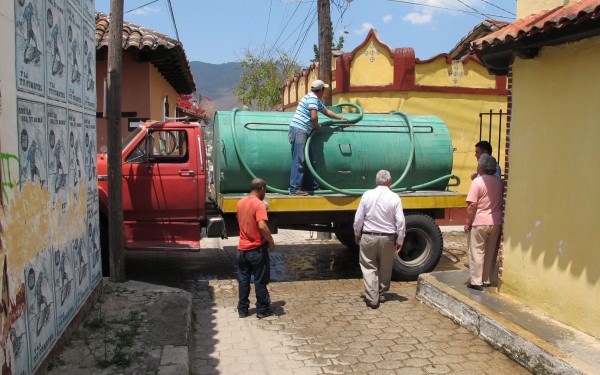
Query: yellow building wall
x=551, y=257
x=460, y=112
x=525, y=8
x=159, y=88
x=372, y=66
x=456, y=74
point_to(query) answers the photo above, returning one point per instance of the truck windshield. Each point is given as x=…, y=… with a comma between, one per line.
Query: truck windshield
x=127, y=140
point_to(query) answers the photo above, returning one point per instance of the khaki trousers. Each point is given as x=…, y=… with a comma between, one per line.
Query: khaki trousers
x=376, y=262
x=482, y=252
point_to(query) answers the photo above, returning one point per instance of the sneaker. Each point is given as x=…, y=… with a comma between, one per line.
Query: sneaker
x=382, y=298
x=299, y=193
x=264, y=314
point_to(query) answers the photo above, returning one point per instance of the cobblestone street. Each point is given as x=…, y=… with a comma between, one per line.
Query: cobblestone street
x=321, y=324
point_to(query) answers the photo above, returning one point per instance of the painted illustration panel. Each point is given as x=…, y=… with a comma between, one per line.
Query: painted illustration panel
x=64, y=286
x=33, y=149
x=41, y=319
x=56, y=50
x=76, y=161
x=89, y=69
x=74, y=55
x=82, y=269
x=18, y=352
x=89, y=122
x=58, y=158
x=89, y=9
x=93, y=238
x=29, y=43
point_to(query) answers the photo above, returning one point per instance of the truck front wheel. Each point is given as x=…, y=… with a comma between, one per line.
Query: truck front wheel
x=422, y=249
x=345, y=234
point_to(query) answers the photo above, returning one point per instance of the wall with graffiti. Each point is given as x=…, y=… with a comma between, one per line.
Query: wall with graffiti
x=49, y=228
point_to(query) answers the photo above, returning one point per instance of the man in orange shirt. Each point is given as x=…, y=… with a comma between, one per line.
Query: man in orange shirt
x=253, y=250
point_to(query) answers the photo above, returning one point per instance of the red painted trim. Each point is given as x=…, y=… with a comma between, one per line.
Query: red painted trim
x=374, y=35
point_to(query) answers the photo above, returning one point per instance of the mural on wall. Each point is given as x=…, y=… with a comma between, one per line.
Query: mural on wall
x=93, y=238
x=50, y=253
x=29, y=39
x=33, y=152
x=40, y=307
x=56, y=45
x=64, y=286
x=74, y=79
x=89, y=58
x=76, y=161
x=58, y=163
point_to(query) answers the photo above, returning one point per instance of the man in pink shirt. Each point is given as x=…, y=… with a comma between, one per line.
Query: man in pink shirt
x=484, y=219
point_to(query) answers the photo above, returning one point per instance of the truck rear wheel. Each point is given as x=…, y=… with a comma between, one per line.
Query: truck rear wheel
x=422, y=249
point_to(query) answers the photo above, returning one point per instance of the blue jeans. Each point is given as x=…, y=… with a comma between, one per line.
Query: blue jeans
x=300, y=177
x=256, y=263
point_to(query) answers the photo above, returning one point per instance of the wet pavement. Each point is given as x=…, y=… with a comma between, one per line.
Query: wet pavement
x=321, y=324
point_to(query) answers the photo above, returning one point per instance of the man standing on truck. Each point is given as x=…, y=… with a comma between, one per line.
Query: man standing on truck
x=379, y=229
x=253, y=250
x=305, y=119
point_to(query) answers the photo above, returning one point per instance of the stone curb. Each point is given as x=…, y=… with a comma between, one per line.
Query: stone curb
x=531, y=352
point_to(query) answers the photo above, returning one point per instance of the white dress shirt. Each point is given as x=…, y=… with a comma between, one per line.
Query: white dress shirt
x=380, y=211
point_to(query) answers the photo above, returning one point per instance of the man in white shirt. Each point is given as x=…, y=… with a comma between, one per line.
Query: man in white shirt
x=379, y=229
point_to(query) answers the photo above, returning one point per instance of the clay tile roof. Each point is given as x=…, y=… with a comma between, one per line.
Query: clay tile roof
x=485, y=28
x=545, y=23
x=166, y=54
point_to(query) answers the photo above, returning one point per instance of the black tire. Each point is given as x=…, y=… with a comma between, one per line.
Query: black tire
x=345, y=234
x=422, y=249
x=104, y=246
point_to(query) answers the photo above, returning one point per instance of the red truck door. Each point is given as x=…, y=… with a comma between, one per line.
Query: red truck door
x=160, y=193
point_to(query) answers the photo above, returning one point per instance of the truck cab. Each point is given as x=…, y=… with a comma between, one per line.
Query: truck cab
x=164, y=187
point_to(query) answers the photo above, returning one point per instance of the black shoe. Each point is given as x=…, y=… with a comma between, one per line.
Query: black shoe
x=372, y=306
x=382, y=298
x=243, y=314
x=264, y=314
x=476, y=287
x=487, y=285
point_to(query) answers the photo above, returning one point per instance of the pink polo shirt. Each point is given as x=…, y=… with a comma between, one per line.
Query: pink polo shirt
x=486, y=193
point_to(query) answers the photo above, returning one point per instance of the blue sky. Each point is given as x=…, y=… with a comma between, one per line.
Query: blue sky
x=219, y=31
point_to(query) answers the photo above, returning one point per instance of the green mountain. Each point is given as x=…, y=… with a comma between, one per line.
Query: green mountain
x=217, y=81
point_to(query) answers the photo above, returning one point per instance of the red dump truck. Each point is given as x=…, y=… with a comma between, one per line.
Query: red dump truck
x=172, y=194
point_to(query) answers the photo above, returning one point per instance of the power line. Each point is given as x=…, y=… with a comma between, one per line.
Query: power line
x=268, y=22
x=452, y=9
x=495, y=6
x=141, y=6
x=173, y=20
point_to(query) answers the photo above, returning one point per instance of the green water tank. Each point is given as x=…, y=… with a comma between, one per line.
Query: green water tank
x=247, y=144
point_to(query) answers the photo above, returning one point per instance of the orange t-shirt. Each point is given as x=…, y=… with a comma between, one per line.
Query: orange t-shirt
x=250, y=210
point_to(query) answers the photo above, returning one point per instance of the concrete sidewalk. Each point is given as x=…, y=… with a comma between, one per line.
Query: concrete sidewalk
x=134, y=328
x=538, y=343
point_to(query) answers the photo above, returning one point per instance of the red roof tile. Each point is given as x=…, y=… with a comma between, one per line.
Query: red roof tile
x=544, y=22
x=166, y=54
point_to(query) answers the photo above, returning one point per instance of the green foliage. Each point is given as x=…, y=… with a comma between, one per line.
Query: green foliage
x=262, y=78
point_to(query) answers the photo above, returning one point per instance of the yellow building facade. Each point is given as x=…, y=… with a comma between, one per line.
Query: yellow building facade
x=551, y=262
x=382, y=80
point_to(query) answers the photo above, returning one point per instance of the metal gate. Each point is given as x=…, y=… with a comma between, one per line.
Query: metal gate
x=493, y=120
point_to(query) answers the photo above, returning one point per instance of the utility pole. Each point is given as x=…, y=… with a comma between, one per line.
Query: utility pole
x=325, y=38
x=115, y=193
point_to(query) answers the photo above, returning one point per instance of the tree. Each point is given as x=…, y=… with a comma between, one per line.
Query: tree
x=262, y=78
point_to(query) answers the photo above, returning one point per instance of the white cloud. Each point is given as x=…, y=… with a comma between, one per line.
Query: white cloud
x=146, y=11
x=418, y=18
x=366, y=27
x=387, y=18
